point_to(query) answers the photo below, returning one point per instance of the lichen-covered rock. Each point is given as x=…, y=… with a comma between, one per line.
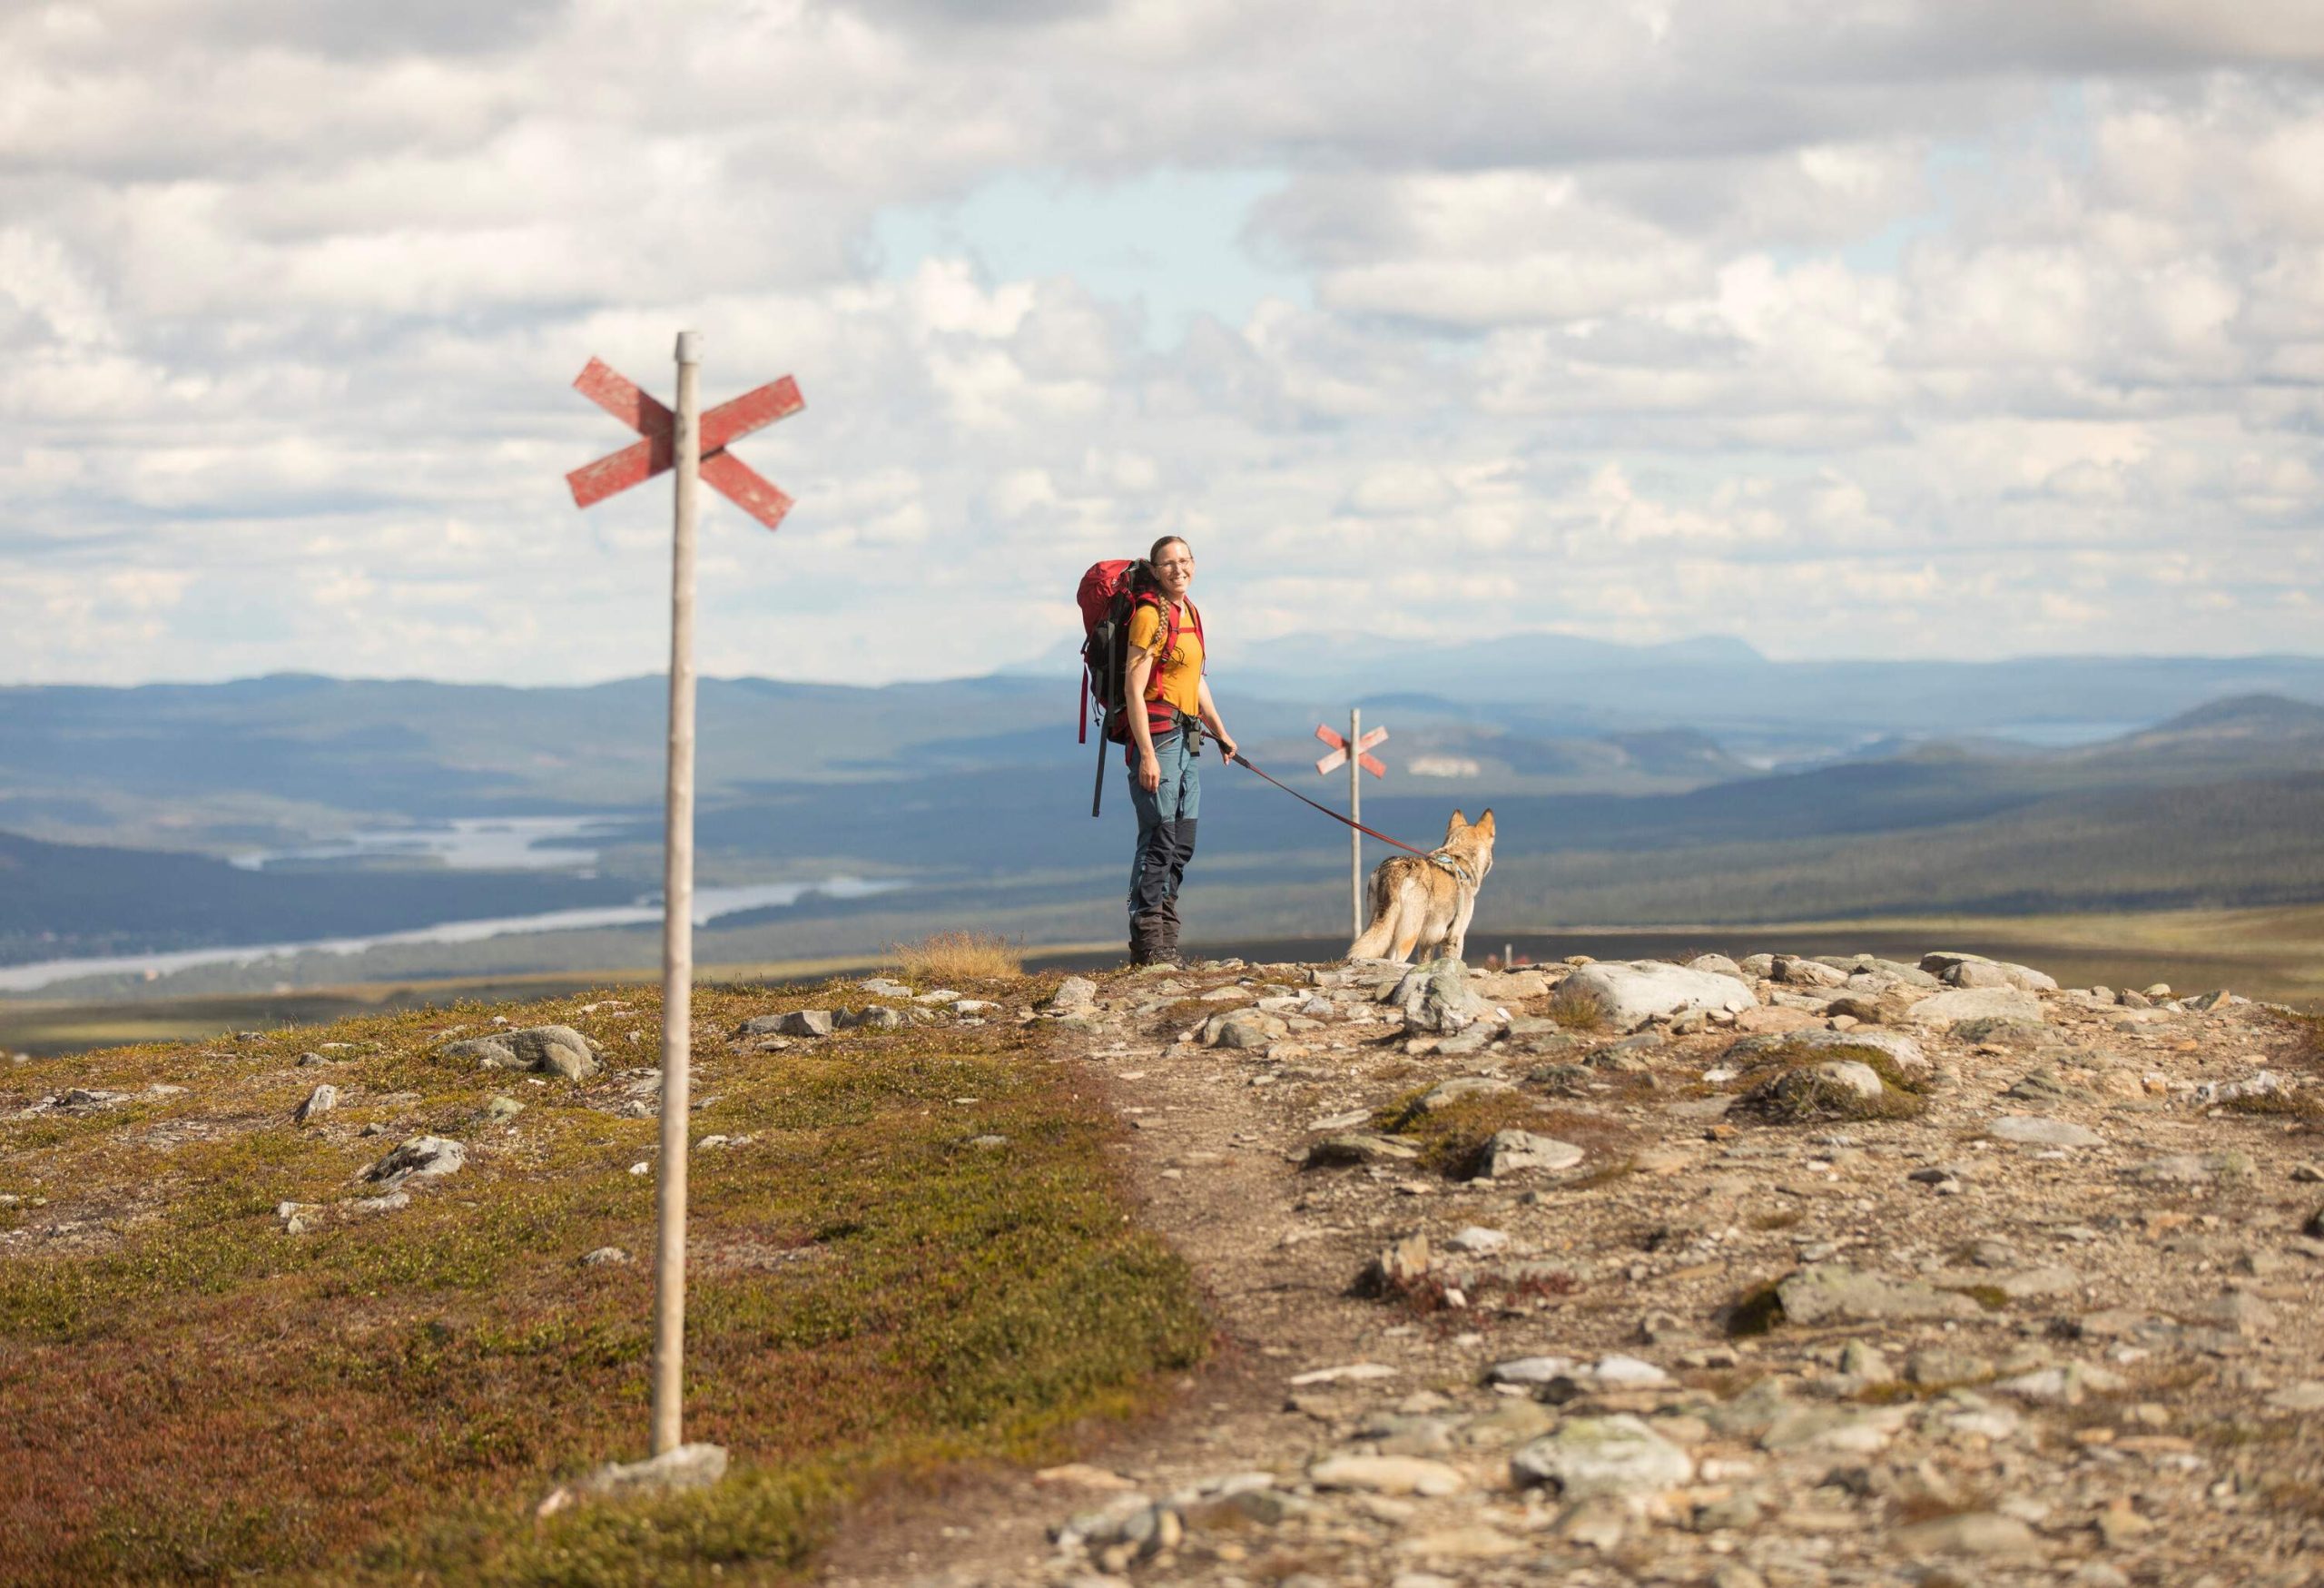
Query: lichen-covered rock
x=546, y=1049
x=419, y=1158
x=1436, y=997
x=1512, y=1152
x=1243, y=1027
x=1628, y=994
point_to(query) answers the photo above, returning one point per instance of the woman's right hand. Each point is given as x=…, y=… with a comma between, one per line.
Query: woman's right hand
x=1149, y=772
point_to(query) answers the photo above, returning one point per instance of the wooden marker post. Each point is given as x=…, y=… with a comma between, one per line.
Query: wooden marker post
x=677, y=923
x=1356, y=813
x=692, y=446
x=1354, y=750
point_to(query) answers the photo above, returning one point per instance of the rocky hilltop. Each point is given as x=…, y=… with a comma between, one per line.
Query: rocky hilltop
x=1761, y=1271
x=1765, y=1270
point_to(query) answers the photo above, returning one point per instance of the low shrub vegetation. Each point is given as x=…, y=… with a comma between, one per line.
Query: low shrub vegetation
x=1783, y=1087
x=950, y=958
x=912, y=1251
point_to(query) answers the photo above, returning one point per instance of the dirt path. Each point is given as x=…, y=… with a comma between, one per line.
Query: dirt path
x=2076, y=1346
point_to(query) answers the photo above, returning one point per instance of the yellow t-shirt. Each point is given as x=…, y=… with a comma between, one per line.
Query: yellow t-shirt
x=1178, y=676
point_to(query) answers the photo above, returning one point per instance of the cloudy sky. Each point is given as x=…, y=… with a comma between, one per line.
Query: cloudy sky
x=1850, y=327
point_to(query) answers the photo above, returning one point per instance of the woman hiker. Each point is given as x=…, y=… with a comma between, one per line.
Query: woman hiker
x=1165, y=657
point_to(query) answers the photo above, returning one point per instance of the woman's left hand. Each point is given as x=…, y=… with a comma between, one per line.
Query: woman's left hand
x=1227, y=746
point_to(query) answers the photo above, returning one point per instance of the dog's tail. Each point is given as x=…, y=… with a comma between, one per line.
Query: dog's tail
x=1372, y=943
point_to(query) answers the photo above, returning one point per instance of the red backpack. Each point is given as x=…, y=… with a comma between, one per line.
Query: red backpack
x=1109, y=592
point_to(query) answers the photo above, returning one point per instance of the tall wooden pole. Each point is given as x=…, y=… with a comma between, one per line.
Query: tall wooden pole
x=677, y=923
x=1356, y=812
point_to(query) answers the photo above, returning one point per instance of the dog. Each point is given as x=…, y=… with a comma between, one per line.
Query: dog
x=1425, y=903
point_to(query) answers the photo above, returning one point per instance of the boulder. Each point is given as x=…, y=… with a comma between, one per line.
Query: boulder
x=1795, y=972
x=419, y=1158
x=1847, y=1076
x=1611, y=1457
x=2033, y=1131
x=1949, y=966
x=1436, y=997
x=2008, y=1031
x=1630, y=994
x=320, y=1100
x=1242, y=1028
x=1836, y=1293
x=547, y=1050
x=1901, y=1051
x=1961, y=1003
x=689, y=1466
x=1716, y=965
x=872, y=1017
x=1510, y=1152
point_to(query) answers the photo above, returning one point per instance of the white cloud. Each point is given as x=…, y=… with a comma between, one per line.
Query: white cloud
x=1893, y=328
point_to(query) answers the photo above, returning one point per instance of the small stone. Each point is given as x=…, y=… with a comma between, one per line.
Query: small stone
x=1074, y=995
x=2189, y=1169
x=873, y=1017
x=2066, y=1386
x=2305, y=1397
x=320, y=1101
x=1594, y=1456
x=1476, y=1241
x=2035, y=1130
x=1360, y=1146
x=604, y=1257
x=501, y=1110
x=1387, y=1475
x=689, y=1466
x=1398, y=1267
x=1531, y=1370
x=1445, y=1094
x=1974, y=1533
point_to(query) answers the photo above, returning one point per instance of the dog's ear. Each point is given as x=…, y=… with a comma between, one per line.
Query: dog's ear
x=1484, y=823
x=1455, y=824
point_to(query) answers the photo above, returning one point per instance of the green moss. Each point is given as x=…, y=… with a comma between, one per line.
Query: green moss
x=869, y=1296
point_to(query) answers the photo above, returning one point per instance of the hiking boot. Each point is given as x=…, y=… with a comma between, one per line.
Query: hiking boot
x=1146, y=940
x=1166, y=936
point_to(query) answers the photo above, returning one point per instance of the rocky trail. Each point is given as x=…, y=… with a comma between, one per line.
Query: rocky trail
x=1777, y=1272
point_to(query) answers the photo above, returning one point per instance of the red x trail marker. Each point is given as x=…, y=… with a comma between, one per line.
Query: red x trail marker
x=1338, y=757
x=641, y=460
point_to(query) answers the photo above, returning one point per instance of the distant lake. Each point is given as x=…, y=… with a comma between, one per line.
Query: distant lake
x=465, y=844
x=709, y=904
x=468, y=844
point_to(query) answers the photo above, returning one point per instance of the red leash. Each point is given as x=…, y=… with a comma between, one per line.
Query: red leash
x=1334, y=814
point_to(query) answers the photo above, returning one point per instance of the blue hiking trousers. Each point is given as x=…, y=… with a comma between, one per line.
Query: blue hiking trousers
x=1165, y=823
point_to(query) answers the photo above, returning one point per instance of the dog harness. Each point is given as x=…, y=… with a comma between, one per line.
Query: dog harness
x=1445, y=858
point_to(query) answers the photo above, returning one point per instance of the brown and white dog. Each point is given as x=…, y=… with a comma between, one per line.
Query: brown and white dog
x=1425, y=903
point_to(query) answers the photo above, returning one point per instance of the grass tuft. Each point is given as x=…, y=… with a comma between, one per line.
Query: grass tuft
x=959, y=956
x=1451, y=1138
x=1575, y=1011
x=1756, y=1311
